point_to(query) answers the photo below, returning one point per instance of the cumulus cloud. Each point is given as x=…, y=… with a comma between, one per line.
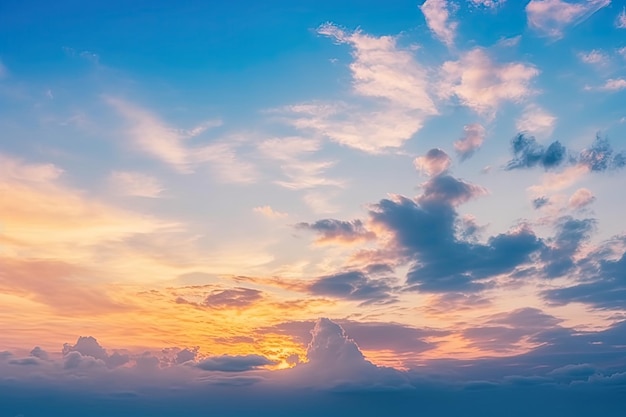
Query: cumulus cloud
x=560, y=250
x=435, y=162
x=484, y=85
x=581, y=198
x=87, y=352
x=551, y=17
x=437, y=14
x=471, y=141
x=536, y=121
x=332, y=230
x=593, y=57
x=354, y=285
x=425, y=231
x=601, y=157
x=135, y=184
x=528, y=153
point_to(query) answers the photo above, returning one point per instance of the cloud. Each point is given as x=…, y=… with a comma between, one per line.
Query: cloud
x=600, y=156
x=425, y=231
x=88, y=347
x=593, y=57
x=433, y=163
x=331, y=230
x=269, y=212
x=293, y=154
x=559, y=252
x=155, y=138
x=620, y=20
x=233, y=298
x=484, y=85
x=551, y=17
x=354, y=285
x=581, y=198
x=599, y=279
x=536, y=121
x=490, y=4
x=613, y=84
x=391, y=100
x=471, y=141
x=540, y=202
x=237, y=363
x=437, y=16
x=135, y=184
x=528, y=153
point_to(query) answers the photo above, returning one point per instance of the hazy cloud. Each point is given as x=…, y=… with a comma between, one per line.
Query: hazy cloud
x=437, y=14
x=471, y=141
x=551, y=17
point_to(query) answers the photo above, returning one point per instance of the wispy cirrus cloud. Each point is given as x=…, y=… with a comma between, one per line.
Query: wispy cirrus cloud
x=483, y=85
x=269, y=212
x=390, y=100
x=135, y=184
x=551, y=17
x=154, y=137
x=620, y=20
x=437, y=14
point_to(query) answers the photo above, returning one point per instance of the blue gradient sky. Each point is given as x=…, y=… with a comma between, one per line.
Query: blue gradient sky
x=185, y=189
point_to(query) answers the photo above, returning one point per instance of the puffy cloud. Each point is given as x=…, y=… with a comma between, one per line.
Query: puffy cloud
x=38, y=352
x=79, y=354
x=593, y=57
x=581, y=198
x=186, y=355
x=484, y=85
x=600, y=156
x=560, y=251
x=536, y=121
x=237, y=363
x=437, y=14
x=528, y=153
x=552, y=17
x=425, y=231
x=354, y=285
x=135, y=184
x=233, y=298
x=433, y=163
x=332, y=230
x=471, y=141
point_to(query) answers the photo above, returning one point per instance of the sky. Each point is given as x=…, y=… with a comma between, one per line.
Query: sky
x=312, y=207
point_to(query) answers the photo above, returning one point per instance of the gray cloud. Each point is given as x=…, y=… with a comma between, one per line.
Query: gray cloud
x=238, y=363
x=354, y=285
x=337, y=230
x=528, y=153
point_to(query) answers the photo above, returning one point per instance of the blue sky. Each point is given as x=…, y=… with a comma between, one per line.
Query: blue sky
x=353, y=197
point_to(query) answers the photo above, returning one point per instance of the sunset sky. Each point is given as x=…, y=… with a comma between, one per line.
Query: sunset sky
x=201, y=201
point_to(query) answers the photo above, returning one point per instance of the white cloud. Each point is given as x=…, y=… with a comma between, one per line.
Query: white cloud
x=16, y=169
x=293, y=154
x=593, y=57
x=155, y=138
x=614, y=84
x=622, y=52
x=269, y=212
x=135, y=184
x=492, y=4
x=482, y=84
x=437, y=16
x=390, y=103
x=536, y=121
x=551, y=17
x=471, y=141
x=620, y=21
